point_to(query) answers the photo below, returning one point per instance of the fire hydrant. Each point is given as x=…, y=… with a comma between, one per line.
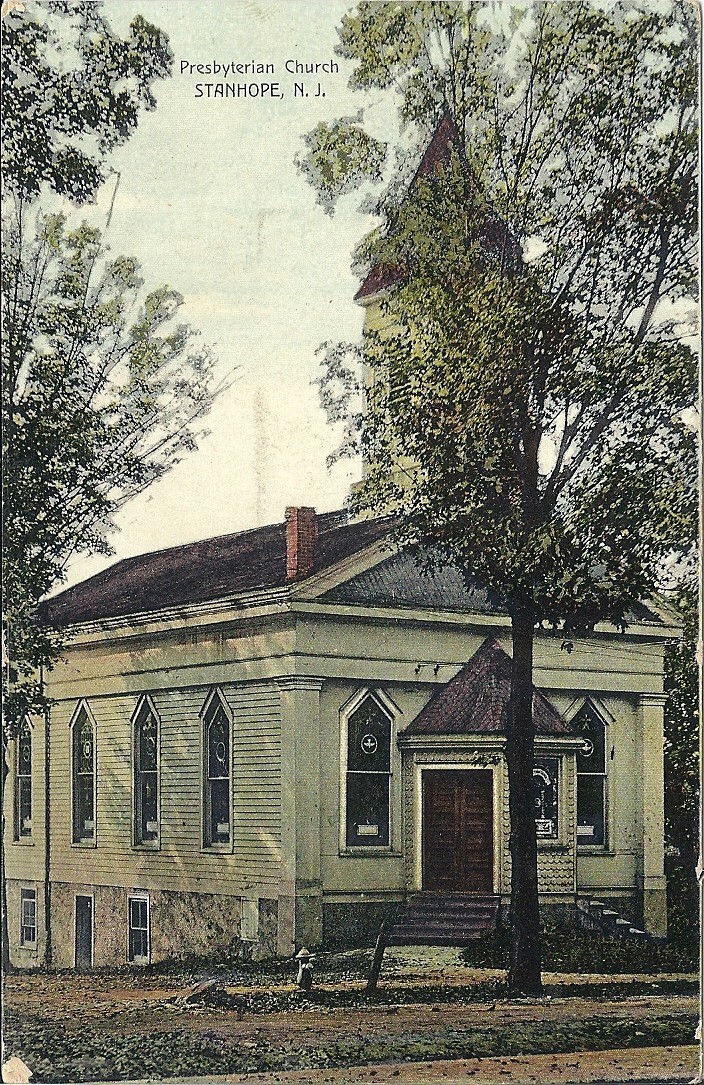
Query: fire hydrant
x=304, y=979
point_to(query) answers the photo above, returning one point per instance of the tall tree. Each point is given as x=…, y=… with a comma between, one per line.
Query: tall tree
x=527, y=383
x=72, y=92
x=103, y=389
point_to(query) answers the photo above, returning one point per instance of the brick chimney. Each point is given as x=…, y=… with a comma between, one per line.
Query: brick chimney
x=300, y=542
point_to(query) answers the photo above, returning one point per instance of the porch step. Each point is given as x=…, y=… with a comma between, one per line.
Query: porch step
x=598, y=917
x=438, y=919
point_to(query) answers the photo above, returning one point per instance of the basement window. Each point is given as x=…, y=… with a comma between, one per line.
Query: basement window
x=138, y=930
x=28, y=917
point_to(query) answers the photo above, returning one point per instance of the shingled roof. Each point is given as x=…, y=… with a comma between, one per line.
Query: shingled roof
x=437, y=154
x=203, y=571
x=255, y=560
x=475, y=701
x=493, y=236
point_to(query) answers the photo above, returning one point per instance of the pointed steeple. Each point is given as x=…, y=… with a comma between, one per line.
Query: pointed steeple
x=437, y=154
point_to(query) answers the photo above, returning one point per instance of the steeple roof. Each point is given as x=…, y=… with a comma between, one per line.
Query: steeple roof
x=436, y=154
x=495, y=239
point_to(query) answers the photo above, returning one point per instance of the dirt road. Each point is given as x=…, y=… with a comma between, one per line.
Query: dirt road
x=126, y=1027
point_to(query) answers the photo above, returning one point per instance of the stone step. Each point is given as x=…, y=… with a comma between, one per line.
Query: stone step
x=466, y=903
x=444, y=919
x=440, y=925
x=416, y=939
x=454, y=911
x=600, y=918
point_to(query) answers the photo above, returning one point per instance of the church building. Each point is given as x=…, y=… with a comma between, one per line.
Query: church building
x=267, y=739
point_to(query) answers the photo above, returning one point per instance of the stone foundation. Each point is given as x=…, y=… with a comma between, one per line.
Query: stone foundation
x=354, y=924
x=182, y=925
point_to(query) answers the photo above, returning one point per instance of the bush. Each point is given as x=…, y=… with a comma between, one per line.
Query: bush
x=569, y=949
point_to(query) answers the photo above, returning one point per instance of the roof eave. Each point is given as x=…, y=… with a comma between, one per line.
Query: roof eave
x=208, y=612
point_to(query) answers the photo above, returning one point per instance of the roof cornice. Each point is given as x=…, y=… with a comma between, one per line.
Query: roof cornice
x=214, y=612
x=362, y=612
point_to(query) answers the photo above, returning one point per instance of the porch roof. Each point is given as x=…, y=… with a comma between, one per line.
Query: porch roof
x=475, y=701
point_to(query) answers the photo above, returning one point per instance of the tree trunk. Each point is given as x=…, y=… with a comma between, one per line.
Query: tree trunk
x=524, y=970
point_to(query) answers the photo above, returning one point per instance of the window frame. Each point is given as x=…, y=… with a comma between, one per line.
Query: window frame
x=556, y=757
x=584, y=844
x=142, y=898
x=28, y=895
x=216, y=702
x=18, y=835
x=76, y=841
x=390, y=710
x=145, y=706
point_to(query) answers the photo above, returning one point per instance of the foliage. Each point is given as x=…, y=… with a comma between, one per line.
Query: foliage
x=527, y=383
x=475, y=376
x=102, y=388
x=542, y=399
x=72, y=92
x=340, y=156
x=571, y=950
x=682, y=684
x=102, y=393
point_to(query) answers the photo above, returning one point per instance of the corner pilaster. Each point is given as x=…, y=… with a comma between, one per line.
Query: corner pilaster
x=301, y=900
x=652, y=706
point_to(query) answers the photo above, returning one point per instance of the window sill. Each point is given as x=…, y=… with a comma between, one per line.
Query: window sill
x=147, y=847
x=84, y=843
x=381, y=852
x=25, y=843
x=594, y=849
x=217, y=849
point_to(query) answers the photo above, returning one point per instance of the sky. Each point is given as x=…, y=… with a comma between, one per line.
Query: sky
x=210, y=202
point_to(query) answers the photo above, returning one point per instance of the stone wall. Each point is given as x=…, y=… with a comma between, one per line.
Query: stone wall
x=182, y=925
x=354, y=924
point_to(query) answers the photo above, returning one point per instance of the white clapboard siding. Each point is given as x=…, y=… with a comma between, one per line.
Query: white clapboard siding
x=180, y=862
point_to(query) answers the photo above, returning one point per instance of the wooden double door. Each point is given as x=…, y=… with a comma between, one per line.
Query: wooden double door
x=458, y=830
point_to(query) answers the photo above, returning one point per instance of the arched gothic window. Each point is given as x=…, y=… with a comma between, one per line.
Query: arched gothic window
x=591, y=777
x=23, y=783
x=216, y=758
x=146, y=774
x=83, y=764
x=368, y=776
